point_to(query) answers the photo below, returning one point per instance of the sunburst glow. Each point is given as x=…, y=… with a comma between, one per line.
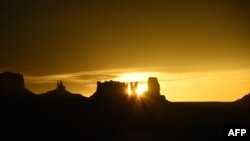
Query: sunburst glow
x=141, y=89
x=129, y=90
x=140, y=77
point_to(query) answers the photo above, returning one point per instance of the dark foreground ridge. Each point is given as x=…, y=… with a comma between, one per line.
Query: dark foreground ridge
x=111, y=114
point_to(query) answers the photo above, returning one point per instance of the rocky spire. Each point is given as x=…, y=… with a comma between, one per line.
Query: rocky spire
x=153, y=86
x=60, y=86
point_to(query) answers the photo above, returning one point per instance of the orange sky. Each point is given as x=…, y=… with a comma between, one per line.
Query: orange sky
x=182, y=86
x=199, y=50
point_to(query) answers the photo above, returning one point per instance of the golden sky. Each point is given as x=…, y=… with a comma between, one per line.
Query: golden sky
x=198, y=49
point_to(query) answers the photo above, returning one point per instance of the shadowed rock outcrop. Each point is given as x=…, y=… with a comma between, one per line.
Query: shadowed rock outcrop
x=153, y=86
x=59, y=90
x=11, y=82
x=111, y=114
x=12, y=87
x=245, y=100
x=61, y=94
x=108, y=90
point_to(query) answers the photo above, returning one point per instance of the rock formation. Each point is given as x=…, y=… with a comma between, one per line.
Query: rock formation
x=11, y=82
x=153, y=86
x=110, y=89
x=59, y=90
x=245, y=100
x=60, y=86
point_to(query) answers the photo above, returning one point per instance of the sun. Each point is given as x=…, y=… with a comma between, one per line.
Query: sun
x=129, y=90
x=139, y=77
x=141, y=88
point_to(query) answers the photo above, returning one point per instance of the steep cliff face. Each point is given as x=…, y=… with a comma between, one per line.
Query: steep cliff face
x=110, y=89
x=12, y=89
x=11, y=82
x=153, y=86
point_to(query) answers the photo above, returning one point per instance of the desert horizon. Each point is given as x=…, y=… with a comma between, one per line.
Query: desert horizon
x=117, y=110
x=140, y=77
x=187, y=86
x=124, y=70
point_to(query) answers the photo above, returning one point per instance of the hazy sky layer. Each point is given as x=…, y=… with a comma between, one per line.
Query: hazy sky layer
x=46, y=39
x=188, y=86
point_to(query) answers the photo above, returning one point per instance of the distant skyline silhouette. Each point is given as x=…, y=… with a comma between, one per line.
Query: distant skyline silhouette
x=199, y=47
x=14, y=83
x=111, y=113
x=126, y=70
x=198, y=86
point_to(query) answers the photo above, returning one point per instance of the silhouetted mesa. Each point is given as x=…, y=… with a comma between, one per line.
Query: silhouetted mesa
x=108, y=90
x=111, y=113
x=121, y=92
x=116, y=87
x=12, y=87
x=112, y=87
x=11, y=82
